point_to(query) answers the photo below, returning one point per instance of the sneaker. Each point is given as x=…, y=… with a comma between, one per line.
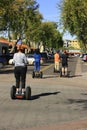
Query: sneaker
x=16, y=92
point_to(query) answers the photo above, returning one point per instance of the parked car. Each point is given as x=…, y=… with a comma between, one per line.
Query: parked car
x=3, y=61
x=84, y=58
x=82, y=55
x=50, y=56
x=30, y=59
x=44, y=57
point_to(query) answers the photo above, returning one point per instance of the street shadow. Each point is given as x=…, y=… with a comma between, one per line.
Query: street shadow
x=83, y=93
x=81, y=102
x=51, y=76
x=6, y=71
x=34, y=97
x=44, y=64
x=73, y=76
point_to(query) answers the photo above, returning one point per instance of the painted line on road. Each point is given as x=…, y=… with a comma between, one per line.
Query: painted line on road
x=85, y=63
x=47, y=67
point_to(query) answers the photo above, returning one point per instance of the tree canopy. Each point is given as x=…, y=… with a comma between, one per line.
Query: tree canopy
x=17, y=15
x=74, y=18
x=50, y=35
x=22, y=17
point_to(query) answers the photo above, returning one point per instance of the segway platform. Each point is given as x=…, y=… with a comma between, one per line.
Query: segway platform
x=20, y=95
x=37, y=74
x=56, y=71
x=64, y=75
x=26, y=95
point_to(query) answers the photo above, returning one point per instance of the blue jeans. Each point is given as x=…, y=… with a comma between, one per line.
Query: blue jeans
x=36, y=66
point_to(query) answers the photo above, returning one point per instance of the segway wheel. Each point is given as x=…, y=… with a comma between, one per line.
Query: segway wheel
x=54, y=70
x=60, y=73
x=13, y=91
x=41, y=74
x=33, y=74
x=28, y=93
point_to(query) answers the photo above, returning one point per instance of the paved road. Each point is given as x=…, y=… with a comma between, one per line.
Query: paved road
x=54, y=102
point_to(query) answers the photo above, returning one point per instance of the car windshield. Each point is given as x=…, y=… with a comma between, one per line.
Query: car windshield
x=30, y=55
x=44, y=54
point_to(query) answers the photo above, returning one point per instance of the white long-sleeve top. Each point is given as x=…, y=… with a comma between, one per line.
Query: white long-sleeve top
x=19, y=59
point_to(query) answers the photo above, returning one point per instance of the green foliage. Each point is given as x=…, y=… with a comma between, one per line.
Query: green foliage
x=18, y=15
x=22, y=17
x=74, y=18
x=50, y=36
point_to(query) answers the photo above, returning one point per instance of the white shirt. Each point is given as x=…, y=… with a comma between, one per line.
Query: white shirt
x=19, y=59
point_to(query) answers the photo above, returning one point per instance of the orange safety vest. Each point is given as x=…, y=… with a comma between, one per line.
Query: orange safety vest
x=56, y=57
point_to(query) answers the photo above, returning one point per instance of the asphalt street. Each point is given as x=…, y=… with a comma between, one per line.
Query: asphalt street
x=54, y=99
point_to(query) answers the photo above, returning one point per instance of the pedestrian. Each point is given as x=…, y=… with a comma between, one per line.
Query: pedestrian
x=64, y=60
x=20, y=63
x=19, y=41
x=56, y=60
x=37, y=57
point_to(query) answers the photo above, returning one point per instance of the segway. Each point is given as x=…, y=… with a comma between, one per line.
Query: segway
x=65, y=74
x=37, y=74
x=56, y=71
x=26, y=95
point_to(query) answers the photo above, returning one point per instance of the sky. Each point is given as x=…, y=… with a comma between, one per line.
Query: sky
x=50, y=12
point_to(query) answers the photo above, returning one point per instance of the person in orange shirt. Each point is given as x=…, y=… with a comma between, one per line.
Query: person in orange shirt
x=56, y=61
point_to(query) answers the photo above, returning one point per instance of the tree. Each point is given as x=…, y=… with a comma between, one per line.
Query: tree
x=20, y=16
x=49, y=35
x=33, y=22
x=74, y=18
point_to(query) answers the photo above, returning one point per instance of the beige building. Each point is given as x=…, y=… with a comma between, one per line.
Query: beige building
x=72, y=43
x=75, y=44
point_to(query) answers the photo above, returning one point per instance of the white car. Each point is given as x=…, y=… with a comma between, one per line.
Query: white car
x=30, y=59
x=84, y=58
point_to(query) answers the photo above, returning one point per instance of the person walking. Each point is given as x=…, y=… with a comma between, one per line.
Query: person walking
x=20, y=63
x=19, y=41
x=56, y=61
